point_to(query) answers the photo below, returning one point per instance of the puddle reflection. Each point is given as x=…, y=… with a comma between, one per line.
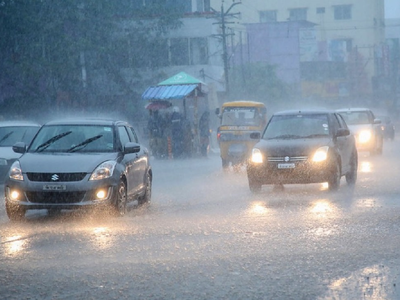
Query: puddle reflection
x=13, y=245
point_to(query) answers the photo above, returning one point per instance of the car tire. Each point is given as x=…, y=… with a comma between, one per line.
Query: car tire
x=225, y=164
x=351, y=176
x=146, y=198
x=334, y=177
x=15, y=212
x=120, y=199
x=379, y=148
x=255, y=186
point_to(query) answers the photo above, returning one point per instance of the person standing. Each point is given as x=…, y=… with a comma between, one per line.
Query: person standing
x=177, y=133
x=204, y=130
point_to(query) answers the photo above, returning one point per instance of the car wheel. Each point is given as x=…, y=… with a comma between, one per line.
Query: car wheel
x=15, y=212
x=379, y=148
x=225, y=163
x=334, y=177
x=120, y=199
x=146, y=198
x=255, y=186
x=351, y=176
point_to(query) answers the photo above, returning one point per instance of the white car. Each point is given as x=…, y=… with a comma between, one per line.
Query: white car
x=365, y=127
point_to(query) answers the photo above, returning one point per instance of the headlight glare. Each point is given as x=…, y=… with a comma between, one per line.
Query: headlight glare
x=104, y=170
x=256, y=156
x=364, y=136
x=16, y=172
x=321, y=154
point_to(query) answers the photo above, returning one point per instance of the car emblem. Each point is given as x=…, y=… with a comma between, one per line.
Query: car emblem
x=287, y=158
x=54, y=177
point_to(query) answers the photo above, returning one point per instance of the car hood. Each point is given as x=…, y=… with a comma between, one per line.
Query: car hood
x=355, y=129
x=292, y=147
x=63, y=162
x=8, y=153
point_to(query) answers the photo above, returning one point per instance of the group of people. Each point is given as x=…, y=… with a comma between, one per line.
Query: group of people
x=171, y=135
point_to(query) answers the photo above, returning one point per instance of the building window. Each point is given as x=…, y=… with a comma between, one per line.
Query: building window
x=198, y=51
x=298, y=14
x=188, y=51
x=203, y=5
x=320, y=10
x=342, y=12
x=179, y=51
x=268, y=16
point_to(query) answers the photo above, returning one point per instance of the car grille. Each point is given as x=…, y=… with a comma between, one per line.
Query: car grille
x=47, y=177
x=291, y=158
x=55, y=197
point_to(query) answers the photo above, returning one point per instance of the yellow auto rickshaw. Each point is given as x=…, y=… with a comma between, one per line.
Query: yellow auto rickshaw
x=238, y=120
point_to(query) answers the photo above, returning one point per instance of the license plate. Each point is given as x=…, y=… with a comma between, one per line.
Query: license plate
x=286, y=166
x=54, y=187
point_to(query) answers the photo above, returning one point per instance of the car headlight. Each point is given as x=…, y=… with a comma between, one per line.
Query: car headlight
x=256, y=156
x=16, y=172
x=104, y=170
x=364, y=136
x=321, y=154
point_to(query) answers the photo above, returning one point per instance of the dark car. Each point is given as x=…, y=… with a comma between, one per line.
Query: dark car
x=365, y=127
x=389, y=130
x=81, y=163
x=12, y=132
x=299, y=147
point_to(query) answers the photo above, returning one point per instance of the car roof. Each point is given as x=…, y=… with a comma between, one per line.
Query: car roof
x=87, y=121
x=353, y=109
x=304, y=111
x=19, y=123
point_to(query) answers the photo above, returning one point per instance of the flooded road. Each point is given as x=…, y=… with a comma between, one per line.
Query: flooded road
x=205, y=236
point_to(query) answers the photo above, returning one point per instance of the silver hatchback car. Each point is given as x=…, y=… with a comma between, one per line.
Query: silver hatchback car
x=81, y=163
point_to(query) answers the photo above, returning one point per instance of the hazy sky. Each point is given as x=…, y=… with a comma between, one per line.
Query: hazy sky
x=392, y=9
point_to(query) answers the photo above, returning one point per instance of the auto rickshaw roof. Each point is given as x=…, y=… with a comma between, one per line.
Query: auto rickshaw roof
x=245, y=103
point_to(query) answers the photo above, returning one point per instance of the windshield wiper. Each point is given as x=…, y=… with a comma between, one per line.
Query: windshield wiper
x=315, y=135
x=6, y=136
x=285, y=136
x=51, y=141
x=85, y=142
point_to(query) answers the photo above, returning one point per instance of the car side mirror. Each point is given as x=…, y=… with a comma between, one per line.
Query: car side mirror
x=131, y=148
x=19, y=147
x=377, y=121
x=255, y=135
x=217, y=111
x=342, y=132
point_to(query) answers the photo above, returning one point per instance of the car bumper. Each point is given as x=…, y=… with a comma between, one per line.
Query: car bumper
x=76, y=195
x=301, y=173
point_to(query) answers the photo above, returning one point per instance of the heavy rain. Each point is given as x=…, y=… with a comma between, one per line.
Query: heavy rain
x=199, y=80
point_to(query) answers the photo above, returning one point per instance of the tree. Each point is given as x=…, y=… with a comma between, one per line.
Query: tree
x=53, y=50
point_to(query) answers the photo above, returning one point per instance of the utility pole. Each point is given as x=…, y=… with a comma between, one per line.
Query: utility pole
x=222, y=16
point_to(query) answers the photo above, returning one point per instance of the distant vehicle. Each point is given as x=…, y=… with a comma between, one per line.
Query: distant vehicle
x=238, y=120
x=299, y=147
x=10, y=133
x=366, y=128
x=388, y=127
x=82, y=163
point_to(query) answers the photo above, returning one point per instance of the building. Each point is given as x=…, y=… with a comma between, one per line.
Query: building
x=348, y=34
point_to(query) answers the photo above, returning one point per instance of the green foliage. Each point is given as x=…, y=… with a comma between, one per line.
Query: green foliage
x=46, y=44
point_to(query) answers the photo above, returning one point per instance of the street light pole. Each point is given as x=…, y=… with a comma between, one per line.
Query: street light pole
x=223, y=15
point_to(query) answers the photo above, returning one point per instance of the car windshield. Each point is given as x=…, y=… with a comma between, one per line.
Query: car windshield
x=356, y=117
x=73, y=138
x=241, y=116
x=13, y=134
x=297, y=126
